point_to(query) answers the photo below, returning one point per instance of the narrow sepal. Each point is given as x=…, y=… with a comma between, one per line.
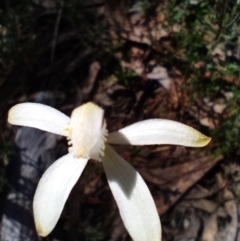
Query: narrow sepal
x=39, y=116
x=134, y=200
x=159, y=131
x=53, y=190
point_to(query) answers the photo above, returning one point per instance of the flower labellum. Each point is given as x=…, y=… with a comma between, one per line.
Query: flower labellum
x=89, y=139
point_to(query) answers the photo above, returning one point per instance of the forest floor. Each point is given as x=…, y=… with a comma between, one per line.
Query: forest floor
x=175, y=60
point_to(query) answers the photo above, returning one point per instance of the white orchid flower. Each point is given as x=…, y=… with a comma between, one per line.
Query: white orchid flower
x=89, y=139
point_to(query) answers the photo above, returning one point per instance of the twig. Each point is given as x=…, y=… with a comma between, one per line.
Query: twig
x=56, y=31
x=233, y=20
x=238, y=56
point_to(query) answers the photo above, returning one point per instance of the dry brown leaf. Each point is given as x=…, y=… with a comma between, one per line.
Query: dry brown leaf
x=159, y=73
x=199, y=192
x=93, y=72
x=201, y=204
x=90, y=187
x=230, y=231
x=210, y=228
x=176, y=180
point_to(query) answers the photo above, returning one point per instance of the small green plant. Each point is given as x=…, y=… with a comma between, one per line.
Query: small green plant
x=205, y=49
x=145, y=6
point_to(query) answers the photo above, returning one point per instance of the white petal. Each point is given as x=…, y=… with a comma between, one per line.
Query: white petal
x=39, y=116
x=53, y=191
x=159, y=131
x=133, y=198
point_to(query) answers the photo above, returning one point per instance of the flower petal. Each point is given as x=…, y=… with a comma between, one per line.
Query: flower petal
x=133, y=198
x=159, y=131
x=53, y=191
x=39, y=116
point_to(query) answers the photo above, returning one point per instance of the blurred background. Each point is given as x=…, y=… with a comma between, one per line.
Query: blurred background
x=137, y=59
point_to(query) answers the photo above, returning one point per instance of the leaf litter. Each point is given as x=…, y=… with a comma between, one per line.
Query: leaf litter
x=147, y=87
